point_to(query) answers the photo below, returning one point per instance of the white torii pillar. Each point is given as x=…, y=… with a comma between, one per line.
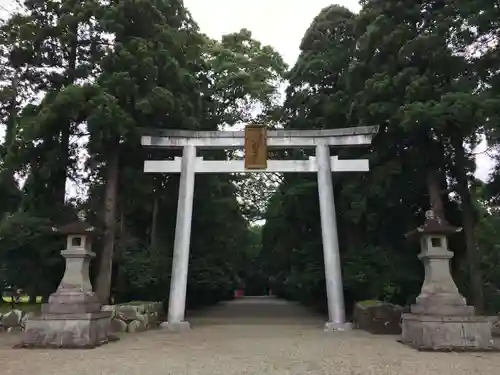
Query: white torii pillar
x=323, y=164
x=180, y=261
x=329, y=234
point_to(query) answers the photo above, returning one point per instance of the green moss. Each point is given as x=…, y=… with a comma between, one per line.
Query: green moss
x=135, y=303
x=370, y=303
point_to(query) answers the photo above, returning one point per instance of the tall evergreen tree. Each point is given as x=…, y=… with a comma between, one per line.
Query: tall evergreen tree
x=61, y=43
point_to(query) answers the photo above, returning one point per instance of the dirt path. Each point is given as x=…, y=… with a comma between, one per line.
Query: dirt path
x=253, y=336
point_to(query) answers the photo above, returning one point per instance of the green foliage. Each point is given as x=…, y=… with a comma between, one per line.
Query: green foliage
x=487, y=227
x=146, y=271
x=241, y=74
x=156, y=71
x=408, y=68
x=31, y=253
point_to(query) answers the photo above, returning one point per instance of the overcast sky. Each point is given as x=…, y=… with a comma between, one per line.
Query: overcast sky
x=279, y=23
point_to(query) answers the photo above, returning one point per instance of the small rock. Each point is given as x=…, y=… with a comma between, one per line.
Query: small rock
x=145, y=320
x=15, y=329
x=127, y=313
x=136, y=326
x=109, y=308
x=12, y=318
x=153, y=320
x=25, y=318
x=495, y=331
x=118, y=326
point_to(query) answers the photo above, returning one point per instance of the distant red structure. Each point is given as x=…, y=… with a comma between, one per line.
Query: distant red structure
x=239, y=293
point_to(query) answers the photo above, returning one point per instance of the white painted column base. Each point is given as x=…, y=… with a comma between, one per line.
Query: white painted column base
x=176, y=326
x=337, y=327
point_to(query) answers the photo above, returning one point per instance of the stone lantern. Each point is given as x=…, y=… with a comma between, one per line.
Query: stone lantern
x=441, y=319
x=72, y=318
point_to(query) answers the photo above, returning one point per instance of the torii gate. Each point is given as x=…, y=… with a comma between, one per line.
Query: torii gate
x=256, y=139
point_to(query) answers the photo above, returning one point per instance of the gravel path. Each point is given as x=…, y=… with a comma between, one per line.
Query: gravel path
x=230, y=339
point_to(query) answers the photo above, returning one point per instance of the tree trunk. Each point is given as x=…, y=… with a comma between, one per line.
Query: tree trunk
x=473, y=254
x=122, y=223
x=10, y=131
x=62, y=173
x=12, y=115
x=435, y=197
x=154, y=223
x=103, y=284
x=33, y=295
x=434, y=167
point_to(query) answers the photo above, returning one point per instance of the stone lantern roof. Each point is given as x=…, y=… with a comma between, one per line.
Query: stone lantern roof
x=434, y=225
x=76, y=228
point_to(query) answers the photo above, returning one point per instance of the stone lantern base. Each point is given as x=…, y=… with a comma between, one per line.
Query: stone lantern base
x=74, y=330
x=441, y=319
x=447, y=333
x=72, y=318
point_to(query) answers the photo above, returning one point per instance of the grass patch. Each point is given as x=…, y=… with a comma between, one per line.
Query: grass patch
x=27, y=307
x=23, y=299
x=370, y=303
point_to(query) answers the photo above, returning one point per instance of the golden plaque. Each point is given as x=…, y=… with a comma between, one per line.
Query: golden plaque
x=255, y=147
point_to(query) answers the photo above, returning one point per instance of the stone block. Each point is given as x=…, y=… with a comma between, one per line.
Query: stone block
x=378, y=317
x=447, y=333
x=71, y=302
x=86, y=330
x=25, y=318
x=111, y=308
x=118, y=325
x=153, y=320
x=145, y=320
x=12, y=318
x=496, y=327
x=136, y=326
x=128, y=313
x=127, y=317
x=442, y=309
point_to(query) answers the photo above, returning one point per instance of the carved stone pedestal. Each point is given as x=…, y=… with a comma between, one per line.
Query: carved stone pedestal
x=77, y=330
x=432, y=332
x=72, y=318
x=441, y=319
